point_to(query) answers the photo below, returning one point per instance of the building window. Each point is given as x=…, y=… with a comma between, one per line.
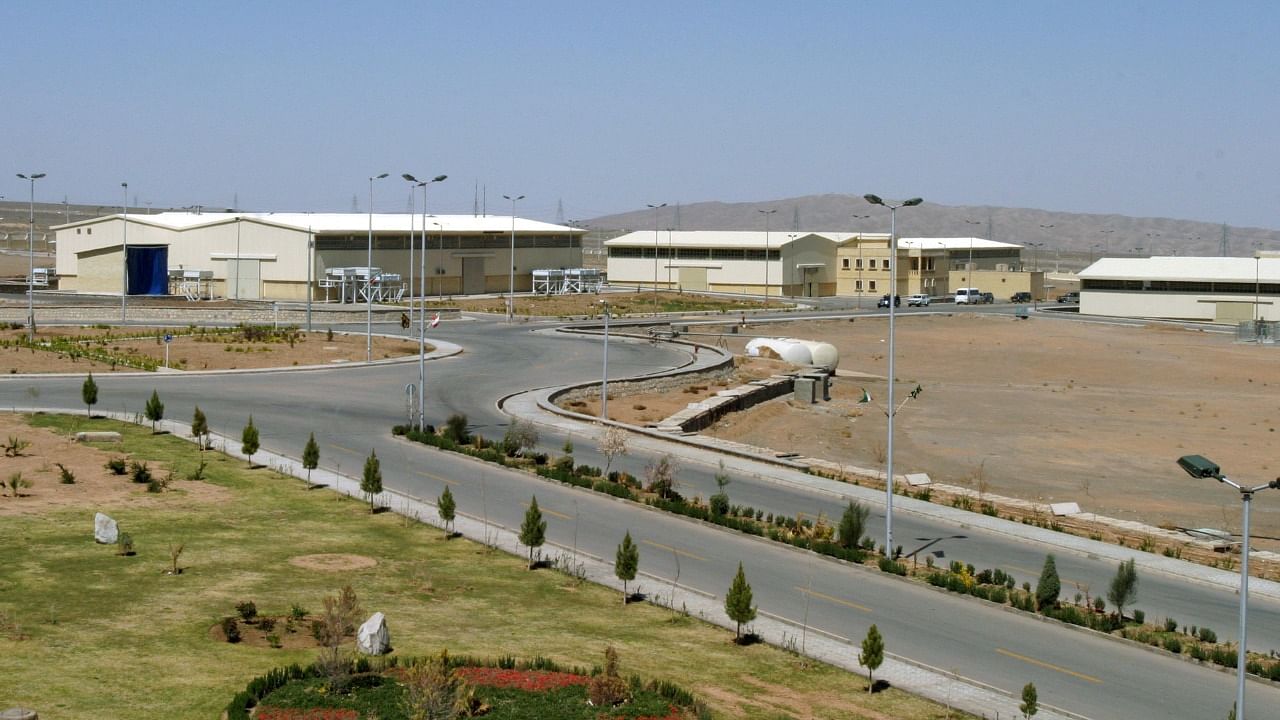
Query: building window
x=871, y=264
x=871, y=285
x=858, y=264
x=928, y=264
x=844, y=263
x=695, y=253
x=88, y=231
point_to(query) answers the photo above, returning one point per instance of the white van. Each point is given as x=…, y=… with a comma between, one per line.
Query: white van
x=968, y=296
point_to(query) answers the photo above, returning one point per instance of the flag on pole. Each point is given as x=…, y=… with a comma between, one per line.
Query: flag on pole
x=866, y=397
x=435, y=320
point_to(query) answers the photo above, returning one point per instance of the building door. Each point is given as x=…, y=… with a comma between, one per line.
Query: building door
x=693, y=278
x=472, y=275
x=244, y=279
x=1233, y=312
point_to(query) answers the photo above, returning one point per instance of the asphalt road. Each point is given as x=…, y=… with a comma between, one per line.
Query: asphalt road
x=351, y=409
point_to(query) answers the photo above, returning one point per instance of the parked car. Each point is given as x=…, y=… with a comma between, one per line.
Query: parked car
x=987, y=298
x=884, y=301
x=1020, y=297
x=968, y=296
x=1071, y=297
x=918, y=300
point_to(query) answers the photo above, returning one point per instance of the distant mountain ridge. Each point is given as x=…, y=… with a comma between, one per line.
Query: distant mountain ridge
x=1074, y=233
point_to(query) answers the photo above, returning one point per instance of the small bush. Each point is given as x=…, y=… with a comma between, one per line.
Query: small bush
x=266, y=624
x=124, y=541
x=139, y=472
x=297, y=612
x=1173, y=644
x=891, y=566
x=117, y=466
x=247, y=610
x=231, y=629
x=66, y=477
x=1207, y=636
x=1170, y=625
x=274, y=640
x=1139, y=617
x=719, y=504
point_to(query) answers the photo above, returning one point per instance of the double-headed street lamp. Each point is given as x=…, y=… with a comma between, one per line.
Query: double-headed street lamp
x=422, y=290
x=604, y=377
x=368, y=315
x=511, y=279
x=766, y=214
x=124, y=256
x=656, y=208
x=1198, y=466
x=31, y=256
x=893, y=410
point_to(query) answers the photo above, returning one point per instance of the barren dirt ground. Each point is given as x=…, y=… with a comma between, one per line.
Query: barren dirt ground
x=1048, y=409
x=199, y=352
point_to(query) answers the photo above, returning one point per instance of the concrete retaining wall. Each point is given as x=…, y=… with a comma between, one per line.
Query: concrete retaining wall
x=699, y=415
x=264, y=314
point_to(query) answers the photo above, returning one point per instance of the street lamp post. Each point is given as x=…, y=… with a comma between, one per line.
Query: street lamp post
x=422, y=305
x=368, y=313
x=1035, y=255
x=1198, y=466
x=511, y=280
x=413, y=193
x=655, y=209
x=861, y=289
x=892, y=410
x=124, y=256
x=766, y=214
x=968, y=270
x=31, y=256
x=604, y=375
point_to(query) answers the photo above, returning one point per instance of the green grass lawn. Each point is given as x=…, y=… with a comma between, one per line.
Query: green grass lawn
x=86, y=633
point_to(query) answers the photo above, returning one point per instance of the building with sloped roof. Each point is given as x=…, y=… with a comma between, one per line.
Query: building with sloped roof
x=1214, y=289
x=279, y=256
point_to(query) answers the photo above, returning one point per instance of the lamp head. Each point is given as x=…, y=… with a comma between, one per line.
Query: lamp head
x=912, y=202
x=873, y=199
x=409, y=177
x=1198, y=466
x=124, y=185
x=440, y=178
x=379, y=177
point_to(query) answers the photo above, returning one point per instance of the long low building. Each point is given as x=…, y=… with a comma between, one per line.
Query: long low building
x=1214, y=289
x=279, y=256
x=812, y=264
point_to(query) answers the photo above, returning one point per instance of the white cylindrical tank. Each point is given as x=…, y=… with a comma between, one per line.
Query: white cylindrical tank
x=789, y=350
x=824, y=354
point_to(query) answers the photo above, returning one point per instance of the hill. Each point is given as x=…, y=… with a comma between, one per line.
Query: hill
x=1073, y=235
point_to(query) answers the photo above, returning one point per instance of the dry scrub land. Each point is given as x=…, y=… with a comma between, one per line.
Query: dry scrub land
x=87, y=633
x=1047, y=409
x=191, y=349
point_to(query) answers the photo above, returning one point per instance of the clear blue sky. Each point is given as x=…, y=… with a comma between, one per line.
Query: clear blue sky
x=1161, y=108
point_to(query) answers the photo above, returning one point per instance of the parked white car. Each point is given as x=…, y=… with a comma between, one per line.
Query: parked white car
x=918, y=301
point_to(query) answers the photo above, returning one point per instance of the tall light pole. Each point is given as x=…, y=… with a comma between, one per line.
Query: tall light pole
x=31, y=256
x=1198, y=466
x=604, y=375
x=1035, y=255
x=368, y=313
x=861, y=289
x=655, y=209
x=968, y=269
x=422, y=305
x=1106, y=241
x=124, y=256
x=413, y=193
x=892, y=409
x=766, y=214
x=511, y=280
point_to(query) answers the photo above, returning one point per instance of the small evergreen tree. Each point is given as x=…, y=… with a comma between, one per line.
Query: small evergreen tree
x=447, y=509
x=533, y=531
x=371, y=479
x=1049, y=586
x=872, y=655
x=89, y=394
x=626, y=562
x=852, y=524
x=249, y=440
x=200, y=428
x=1030, y=702
x=1124, y=586
x=154, y=410
x=311, y=456
x=737, y=603
x=719, y=503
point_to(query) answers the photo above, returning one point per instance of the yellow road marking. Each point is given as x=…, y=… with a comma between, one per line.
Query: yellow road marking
x=433, y=476
x=344, y=449
x=833, y=599
x=1048, y=666
x=551, y=512
x=668, y=548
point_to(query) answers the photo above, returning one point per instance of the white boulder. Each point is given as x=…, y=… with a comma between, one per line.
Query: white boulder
x=373, y=638
x=105, y=530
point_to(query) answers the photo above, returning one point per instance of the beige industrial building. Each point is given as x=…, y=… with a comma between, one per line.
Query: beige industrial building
x=933, y=266
x=278, y=256
x=1214, y=289
x=787, y=263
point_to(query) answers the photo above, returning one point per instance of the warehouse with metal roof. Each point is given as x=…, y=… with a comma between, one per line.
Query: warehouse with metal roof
x=1214, y=289
x=284, y=256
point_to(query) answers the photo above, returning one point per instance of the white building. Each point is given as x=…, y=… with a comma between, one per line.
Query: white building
x=272, y=255
x=787, y=263
x=1216, y=289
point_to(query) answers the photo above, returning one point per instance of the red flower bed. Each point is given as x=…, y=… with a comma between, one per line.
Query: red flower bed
x=527, y=680
x=267, y=713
